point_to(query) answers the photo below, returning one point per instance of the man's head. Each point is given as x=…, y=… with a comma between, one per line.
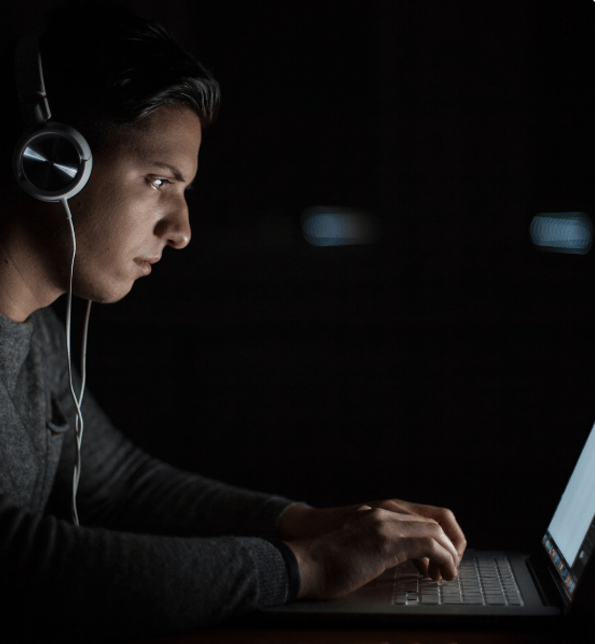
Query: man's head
x=106, y=70
x=140, y=100
x=134, y=204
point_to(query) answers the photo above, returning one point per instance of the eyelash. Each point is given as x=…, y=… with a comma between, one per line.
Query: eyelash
x=156, y=179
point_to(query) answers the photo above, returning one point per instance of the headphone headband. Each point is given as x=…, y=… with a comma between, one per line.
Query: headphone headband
x=30, y=83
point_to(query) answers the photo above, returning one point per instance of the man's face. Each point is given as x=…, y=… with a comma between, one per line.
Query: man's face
x=134, y=204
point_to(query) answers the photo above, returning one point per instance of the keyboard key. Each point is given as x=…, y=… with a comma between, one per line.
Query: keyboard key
x=430, y=599
x=495, y=601
x=480, y=581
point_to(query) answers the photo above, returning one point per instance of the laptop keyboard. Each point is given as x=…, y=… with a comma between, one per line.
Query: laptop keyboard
x=481, y=581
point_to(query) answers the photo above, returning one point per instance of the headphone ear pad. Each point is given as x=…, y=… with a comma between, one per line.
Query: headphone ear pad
x=52, y=162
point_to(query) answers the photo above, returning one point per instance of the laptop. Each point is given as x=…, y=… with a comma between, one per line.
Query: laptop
x=490, y=583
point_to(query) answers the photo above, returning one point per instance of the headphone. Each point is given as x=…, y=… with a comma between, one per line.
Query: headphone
x=51, y=162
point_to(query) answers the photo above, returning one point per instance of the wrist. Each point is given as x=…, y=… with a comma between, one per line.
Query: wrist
x=305, y=565
x=292, y=568
x=295, y=522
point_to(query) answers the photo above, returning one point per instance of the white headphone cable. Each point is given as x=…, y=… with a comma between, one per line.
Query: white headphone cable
x=78, y=400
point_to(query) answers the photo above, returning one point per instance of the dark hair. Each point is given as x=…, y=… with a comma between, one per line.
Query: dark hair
x=106, y=71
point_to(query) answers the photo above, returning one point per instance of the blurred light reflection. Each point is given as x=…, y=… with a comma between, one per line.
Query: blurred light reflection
x=562, y=232
x=324, y=226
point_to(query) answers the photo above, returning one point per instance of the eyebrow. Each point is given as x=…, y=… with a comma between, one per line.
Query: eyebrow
x=178, y=176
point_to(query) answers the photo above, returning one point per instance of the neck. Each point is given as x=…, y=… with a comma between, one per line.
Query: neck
x=28, y=281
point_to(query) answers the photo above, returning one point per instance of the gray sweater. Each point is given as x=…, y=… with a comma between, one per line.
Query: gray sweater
x=158, y=550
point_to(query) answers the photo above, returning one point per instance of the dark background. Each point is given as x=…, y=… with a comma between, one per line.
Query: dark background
x=450, y=362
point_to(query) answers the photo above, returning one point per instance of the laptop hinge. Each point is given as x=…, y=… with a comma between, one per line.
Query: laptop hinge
x=544, y=581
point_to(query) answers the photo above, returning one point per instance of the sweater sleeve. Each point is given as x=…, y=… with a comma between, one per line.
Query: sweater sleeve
x=158, y=550
x=84, y=584
x=123, y=488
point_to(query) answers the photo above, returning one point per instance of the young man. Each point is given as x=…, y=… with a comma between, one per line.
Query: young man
x=157, y=549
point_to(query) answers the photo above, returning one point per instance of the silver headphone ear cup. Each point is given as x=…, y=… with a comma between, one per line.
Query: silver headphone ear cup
x=53, y=162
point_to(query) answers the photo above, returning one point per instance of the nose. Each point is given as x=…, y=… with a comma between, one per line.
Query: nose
x=175, y=226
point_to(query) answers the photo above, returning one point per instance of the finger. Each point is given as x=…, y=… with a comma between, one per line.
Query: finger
x=439, y=568
x=421, y=534
x=422, y=566
x=452, y=529
x=438, y=564
x=446, y=519
x=393, y=505
x=396, y=513
x=434, y=571
x=442, y=516
x=442, y=556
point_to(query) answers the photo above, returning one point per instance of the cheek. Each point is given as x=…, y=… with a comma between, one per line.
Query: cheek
x=110, y=217
x=115, y=216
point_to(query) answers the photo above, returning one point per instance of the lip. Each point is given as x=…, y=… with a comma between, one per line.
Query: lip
x=146, y=263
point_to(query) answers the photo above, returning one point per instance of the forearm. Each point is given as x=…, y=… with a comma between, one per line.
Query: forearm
x=162, y=500
x=92, y=582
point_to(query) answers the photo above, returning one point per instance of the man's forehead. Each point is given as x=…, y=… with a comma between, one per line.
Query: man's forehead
x=163, y=125
x=167, y=145
x=160, y=144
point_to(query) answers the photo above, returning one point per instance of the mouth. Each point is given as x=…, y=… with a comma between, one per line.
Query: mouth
x=145, y=263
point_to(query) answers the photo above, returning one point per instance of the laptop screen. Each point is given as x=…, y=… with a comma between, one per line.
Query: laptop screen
x=570, y=537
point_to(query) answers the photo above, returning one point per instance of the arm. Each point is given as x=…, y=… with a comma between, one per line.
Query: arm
x=123, y=488
x=90, y=582
x=93, y=581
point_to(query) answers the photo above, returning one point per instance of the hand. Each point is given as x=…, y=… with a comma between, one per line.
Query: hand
x=300, y=521
x=445, y=519
x=340, y=549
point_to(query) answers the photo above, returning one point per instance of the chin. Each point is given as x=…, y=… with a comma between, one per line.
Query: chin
x=105, y=295
x=116, y=297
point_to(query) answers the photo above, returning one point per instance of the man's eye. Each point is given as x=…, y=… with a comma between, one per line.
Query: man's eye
x=157, y=182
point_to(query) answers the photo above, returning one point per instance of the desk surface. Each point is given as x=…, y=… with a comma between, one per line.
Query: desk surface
x=564, y=634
